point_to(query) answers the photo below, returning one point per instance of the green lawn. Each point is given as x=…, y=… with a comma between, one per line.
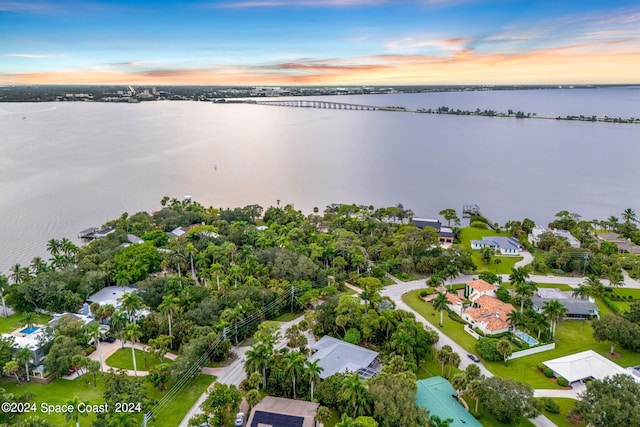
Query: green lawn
x=15, y=321
x=287, y=317
x=122, y=359
x=507, y=262
x=572, y=336
x=58, y=391
x=561, y=419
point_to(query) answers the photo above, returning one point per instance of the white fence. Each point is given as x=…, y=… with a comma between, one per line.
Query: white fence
x=534, y=350
x=471, y=332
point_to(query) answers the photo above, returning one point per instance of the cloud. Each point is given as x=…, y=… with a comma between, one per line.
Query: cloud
x=454, y=44
x=27, y=55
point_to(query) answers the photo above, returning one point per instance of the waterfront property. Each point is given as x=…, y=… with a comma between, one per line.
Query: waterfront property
x=437, y=396
x=538, y=230
x=587, y=365
x=577, y=308
x=278, y=411
x=95, y=233
x=624, y=246
x=337, y=356
x=446, y=233
x=504, y=245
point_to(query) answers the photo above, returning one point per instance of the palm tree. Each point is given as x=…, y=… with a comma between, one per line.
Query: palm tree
x=538, y=322
x=436, y=421
x=629, y=215
x=122, y=419
x=132, y=332
x=596, y=288
x=436, y=280
x=440, y=303
x=131, y=303
x=504, y=348
x=29, y=319
x=323, y=414
x=474, y=388
x=555, y=311
x=54, y=246
x=519, y=275
x=17, y=274
x=517, y=319
x=402, y=342
x=253, y=398
x=354, y=392
x=346, y=421
x=294, y=367
x=525, y=291
x=74, y=416
x=386, y=321
x=452, y=272
x=459, y=383
x=313, y=371
x=191, y=250
x=4, y=287
x=583, y=291
x=23, y=356
x=94, y=332
x=38, y=265
x=443, y=355
x=169, y=307
x=454, y=362
x=118, y=324
x=259, y=358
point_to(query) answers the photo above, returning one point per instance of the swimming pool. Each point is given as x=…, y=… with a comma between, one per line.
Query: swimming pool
x=29, y=330
x=526, y=338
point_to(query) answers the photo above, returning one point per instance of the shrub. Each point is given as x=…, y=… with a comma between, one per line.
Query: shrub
x=557, y=271
x=423, y=293
x=497, y=261
x=548, y=372
x=562, y=382
x=550, y=405
x=476, y=415
x=89, y=350
x=478, y=331
x=479, y=224
x=613, y=307
x=454, y=316
x=479, y=218
x=487, y=348
x=352, y=336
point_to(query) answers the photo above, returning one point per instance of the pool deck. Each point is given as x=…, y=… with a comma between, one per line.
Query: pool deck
x=21, y=334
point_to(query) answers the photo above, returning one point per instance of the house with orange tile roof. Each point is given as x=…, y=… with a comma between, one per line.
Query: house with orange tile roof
x=474, y=289
x=488, y=314
x=455, y=303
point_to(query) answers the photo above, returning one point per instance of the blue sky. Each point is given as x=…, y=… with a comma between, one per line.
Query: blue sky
x=319, y=42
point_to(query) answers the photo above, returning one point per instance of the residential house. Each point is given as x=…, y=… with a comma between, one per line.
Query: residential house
x=588, y=365
x=281, y=412
x=577, y=308
x=624, y=245
x=337, y=356
x=488, y=314
x=446, y=233
x=504, y=245
x=438, y=396
x=538, y=230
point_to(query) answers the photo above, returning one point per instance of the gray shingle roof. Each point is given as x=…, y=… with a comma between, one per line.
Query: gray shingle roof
x=337, y=356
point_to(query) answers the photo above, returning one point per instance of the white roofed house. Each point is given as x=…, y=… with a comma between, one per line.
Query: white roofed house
x=504, y=245
x=538, y=230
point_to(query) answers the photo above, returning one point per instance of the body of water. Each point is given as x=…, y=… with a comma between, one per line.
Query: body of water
x=65, y=167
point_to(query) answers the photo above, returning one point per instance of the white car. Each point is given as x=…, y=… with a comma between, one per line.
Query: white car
x=239, y=419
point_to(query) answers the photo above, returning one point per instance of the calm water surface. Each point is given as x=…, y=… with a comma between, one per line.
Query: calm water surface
x=69, y=166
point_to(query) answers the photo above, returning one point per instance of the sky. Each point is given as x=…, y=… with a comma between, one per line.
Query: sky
x=319, y=42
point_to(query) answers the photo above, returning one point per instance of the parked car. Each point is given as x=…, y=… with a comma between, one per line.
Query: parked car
x=110, y=339
x=473, y=357
x=239, y=419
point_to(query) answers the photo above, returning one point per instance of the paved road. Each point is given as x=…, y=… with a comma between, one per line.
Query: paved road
x=234, y=373
x=396, y=291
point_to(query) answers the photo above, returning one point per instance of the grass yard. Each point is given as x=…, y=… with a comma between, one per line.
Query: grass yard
x=15, y=321
x=122, y=359
x=572, y=336
x=287, y=317
x=507, y=262
x=488, y=420
x=58, y=391
x=561, y=419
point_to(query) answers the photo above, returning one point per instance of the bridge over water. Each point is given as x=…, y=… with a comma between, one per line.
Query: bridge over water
x=305, y=103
